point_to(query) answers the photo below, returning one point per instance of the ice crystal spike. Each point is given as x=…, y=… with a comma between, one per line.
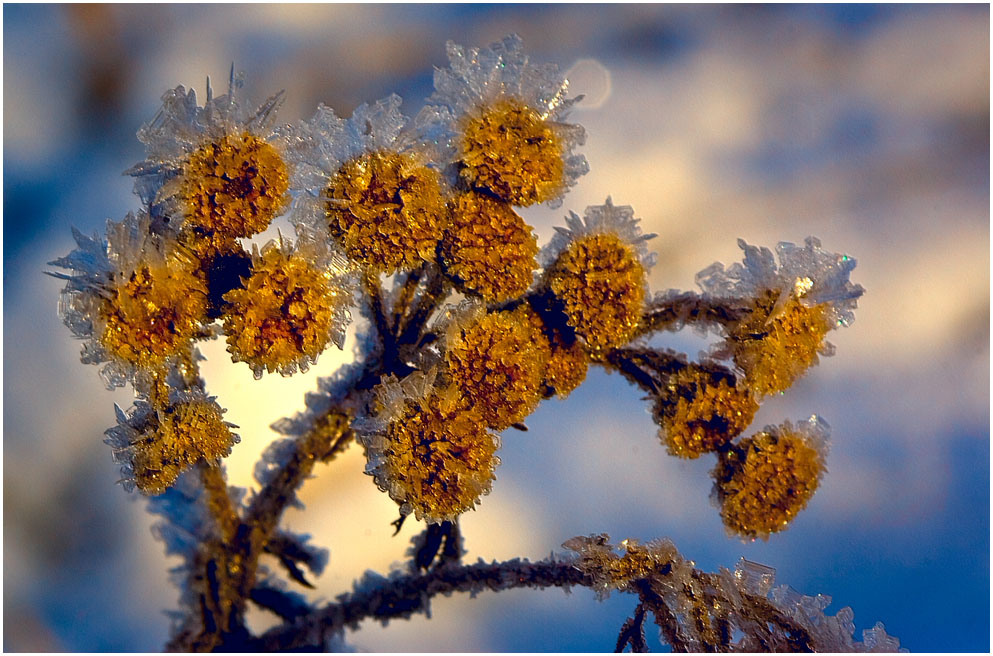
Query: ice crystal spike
x=755, y=577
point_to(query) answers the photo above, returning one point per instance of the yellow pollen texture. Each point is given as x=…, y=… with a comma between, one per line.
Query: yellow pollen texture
x=439, y=458
x=387, y=210
x=765, y=484
x=509, y=150
x=284, y=316
x=601, y=285
x=775, y=353
x=498, y=363
x=705, y=415
x=153, y=314
x=488, y=248
x=184, y=433
x=235, y=186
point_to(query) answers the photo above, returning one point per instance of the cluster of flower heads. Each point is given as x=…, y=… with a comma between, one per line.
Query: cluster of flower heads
x=377, y=199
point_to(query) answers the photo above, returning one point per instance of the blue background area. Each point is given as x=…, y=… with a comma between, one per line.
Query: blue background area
x=79, y=81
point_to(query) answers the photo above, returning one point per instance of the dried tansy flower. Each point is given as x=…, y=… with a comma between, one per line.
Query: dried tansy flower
x=134, y=297
x=497, y=361
x=155, y=446
x=234, y=186
x=387, y=210
x=508, y=150
x=220, y=167
x=504, y=119
x=768, y=478
x=152, y=313
x=702, y=412
x=597, y=272
x=372, y=184
x=292, y=306
x=774, y=346
x=488, y=249
x=430, y=450
x=795, y=304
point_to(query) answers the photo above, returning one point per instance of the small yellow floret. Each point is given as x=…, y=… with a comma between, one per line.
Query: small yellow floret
x=775, y=352
x=153, y=314
x=704, y=415
x=766, y=481
x=439, y=458
x=387, y=210
x=285, y=315
x=498, y=364
x=510, y=151
x=600, y=282
x=234, y=186
x=176, y=440
x=488, y=248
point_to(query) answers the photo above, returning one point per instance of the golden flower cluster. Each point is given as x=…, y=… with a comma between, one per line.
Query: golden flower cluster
x=472, y=325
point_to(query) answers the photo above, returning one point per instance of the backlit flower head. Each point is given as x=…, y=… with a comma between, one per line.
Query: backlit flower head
x=221, y=167
x=488, y=249
x=428, y=448
x=762, y=483
x=154, y=446
x=291, y=307
x=702, y=411
x=794, y=305
x=504, y=120
x=597, y=270
x=497, y=360
x=371, y=184
x=133, y=297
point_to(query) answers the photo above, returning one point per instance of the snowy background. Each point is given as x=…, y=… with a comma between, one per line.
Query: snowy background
x=866, y=126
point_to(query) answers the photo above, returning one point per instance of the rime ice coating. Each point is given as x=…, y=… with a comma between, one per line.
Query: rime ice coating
x=503, y=120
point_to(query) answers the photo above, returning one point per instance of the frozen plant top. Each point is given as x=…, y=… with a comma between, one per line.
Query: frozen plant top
x=467, y=326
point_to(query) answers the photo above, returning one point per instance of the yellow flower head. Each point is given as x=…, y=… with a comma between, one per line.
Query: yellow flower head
x=497, y=360
x=291, y=307
x=220, y=167
x=488, y=249
x=504, y=120
x=597, y=271
x=387, y=210
x=702, y=412
x=768, y=478
x=430, y=450
x=774, y=346
x=367, y=181
x=155, y=446
x=135, y=298
x=794, y=304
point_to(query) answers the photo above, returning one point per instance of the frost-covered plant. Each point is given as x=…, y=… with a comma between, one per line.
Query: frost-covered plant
x=467, y=326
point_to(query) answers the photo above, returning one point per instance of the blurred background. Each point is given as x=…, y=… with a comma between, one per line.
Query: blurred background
x=867, y=126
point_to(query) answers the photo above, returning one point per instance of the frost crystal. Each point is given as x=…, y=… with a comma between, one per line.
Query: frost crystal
x=812, y=274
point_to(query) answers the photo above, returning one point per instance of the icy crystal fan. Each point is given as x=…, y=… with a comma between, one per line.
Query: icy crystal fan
x=465, y=327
